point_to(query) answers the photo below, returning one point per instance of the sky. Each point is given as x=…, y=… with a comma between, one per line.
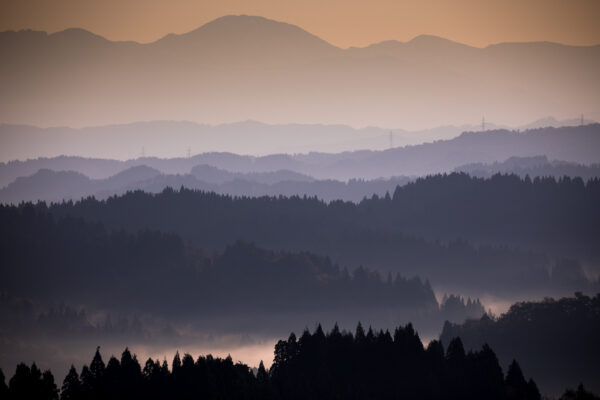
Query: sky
x=343, y=23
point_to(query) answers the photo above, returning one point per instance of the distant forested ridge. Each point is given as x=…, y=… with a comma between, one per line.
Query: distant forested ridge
x=72, y=262
x=55, y=186
x=537, y=166
x=318, y=365
x=558, y=339
x=544, y=215
x=573, y=144
x=38, y=253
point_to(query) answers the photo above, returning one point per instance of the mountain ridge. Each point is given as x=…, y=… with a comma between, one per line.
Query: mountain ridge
x=575, y=144
x=241, y=67
x=168, y=139
x=226, y=19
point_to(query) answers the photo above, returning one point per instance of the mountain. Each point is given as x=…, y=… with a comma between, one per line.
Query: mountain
x=553, y=122
x=502, y=236
x=254, y=41
x=51, y=186
x=131, y=176
x=47, y=185
x=244, y=67
x=168, y=139
x=55, y=186
x=209, y=174
x=576, y=144
x=537, y=166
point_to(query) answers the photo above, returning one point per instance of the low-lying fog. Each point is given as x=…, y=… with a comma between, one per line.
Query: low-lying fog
x=249, y=339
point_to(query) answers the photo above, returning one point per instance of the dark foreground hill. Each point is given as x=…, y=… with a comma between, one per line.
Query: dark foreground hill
x=556, y=340
x=366, y=365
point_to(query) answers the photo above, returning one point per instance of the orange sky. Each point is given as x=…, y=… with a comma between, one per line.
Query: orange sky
x=341, y=22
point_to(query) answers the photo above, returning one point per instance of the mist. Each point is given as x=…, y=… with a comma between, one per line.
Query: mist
x=406, y=219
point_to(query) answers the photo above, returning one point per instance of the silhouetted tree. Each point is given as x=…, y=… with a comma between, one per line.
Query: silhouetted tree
x=97, y=367
x=580, y=394
x=574, y=322
x=30, y=383
x=71, y=387
x=319, y=365
x=516, y=386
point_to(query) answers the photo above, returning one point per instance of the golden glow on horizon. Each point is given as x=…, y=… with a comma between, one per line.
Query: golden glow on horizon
x=341, y=22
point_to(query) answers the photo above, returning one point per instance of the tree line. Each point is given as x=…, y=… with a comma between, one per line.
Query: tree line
x=546, y=336
x=80, y=262
x=318, y=365
x=484, y=234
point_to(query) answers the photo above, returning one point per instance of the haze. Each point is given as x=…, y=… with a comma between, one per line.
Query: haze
x=412, y=188
x=343, y=23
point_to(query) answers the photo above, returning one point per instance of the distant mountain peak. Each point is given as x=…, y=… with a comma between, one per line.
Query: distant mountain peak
x=251, y=28
x=432, y=40
x=77, y=34
x=428, y=38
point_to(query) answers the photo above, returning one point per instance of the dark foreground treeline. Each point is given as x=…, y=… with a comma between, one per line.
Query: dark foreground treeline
x=366, y=365
x=558, y=339
x=560, y=217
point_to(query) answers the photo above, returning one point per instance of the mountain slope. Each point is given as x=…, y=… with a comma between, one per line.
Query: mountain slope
x=243, y=67
x=55, y=186
x=523, y=333
x=575, y=144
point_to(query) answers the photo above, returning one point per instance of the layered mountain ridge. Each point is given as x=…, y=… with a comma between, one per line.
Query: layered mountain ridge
x=243, y=67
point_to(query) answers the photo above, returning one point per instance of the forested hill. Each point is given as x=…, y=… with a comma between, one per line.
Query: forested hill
x=318, y=365
x=114, y=269
x=53, y=186
x=557, y=340
x=574, y=144
x=557, y=217
x=73, y=262
x=532, y=167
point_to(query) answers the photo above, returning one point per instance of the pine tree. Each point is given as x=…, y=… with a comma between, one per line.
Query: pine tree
x=71, y=388
x=516, y=386
x=359, y=336
x=532, y=392
x=97, y=367
x=176, y=364
x=48, y=387
x=262, y=375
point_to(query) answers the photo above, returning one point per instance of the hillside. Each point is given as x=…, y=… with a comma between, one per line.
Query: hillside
x=546, y=336
x=250, y=67
x=574, y=144
x=497, y=247
x=537, y=166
